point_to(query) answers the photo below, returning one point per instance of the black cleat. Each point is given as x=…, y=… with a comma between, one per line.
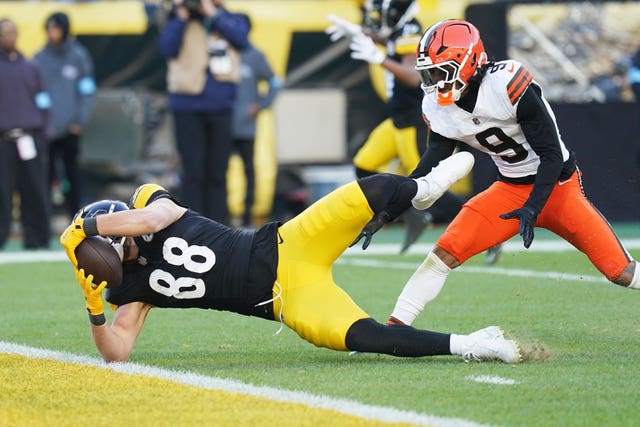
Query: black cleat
x=416, y=221
x=493, y=253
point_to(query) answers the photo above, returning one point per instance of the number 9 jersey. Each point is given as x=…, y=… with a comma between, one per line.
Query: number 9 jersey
x=199, y=263
x=493, y=127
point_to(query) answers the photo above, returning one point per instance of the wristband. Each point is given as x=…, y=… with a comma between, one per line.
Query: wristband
x=97, y=319
x=90, y=226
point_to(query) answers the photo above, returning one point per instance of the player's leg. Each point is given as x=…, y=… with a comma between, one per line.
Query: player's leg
x=311, y=304
x=410, y=143
x=369, y=336
x=245, y=148
x=216, y=158
x=569, y=214
x=476, y=228
x=70, y=153
x=9, y=165
x=190, y=137
x=378, y=150
x=33, y=186
x=323, y=314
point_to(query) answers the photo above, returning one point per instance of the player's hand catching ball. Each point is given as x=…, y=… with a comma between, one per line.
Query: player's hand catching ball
x=92, y=293
x=71, y=237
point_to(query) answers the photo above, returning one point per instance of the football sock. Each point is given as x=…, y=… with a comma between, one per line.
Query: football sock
x=369, y=336
x=423, y=286
x=456, y=343
x=635, y=280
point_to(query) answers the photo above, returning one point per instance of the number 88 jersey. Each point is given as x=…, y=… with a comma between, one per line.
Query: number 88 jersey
x=493, y=126
x=193, y=263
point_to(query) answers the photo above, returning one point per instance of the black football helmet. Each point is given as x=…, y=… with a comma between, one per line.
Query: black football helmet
x=105, y=207
x=383, y=17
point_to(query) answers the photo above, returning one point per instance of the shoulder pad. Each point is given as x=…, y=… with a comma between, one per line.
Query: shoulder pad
x=147, y=193
x=512, y=76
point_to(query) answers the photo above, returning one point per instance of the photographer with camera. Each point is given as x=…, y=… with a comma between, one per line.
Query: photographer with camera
x=201, y=41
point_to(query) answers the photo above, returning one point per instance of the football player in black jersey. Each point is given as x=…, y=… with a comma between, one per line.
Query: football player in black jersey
x=175, y=257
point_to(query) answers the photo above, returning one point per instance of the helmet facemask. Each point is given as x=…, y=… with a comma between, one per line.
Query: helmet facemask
x=383, y=17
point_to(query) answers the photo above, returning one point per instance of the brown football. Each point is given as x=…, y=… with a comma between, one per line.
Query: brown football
x=96, y=256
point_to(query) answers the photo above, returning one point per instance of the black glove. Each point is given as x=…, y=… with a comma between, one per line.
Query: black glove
x=527, y=217
x=376, y=223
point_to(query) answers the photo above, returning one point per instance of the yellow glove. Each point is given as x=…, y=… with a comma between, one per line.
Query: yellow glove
x=92, y=293
x=75, y=234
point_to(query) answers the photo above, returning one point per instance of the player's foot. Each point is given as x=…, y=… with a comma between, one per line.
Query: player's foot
x=483, y=349
x=416, y=221
x=493, y=253
x=489, y=332
x=393, y=321
x=434, y=184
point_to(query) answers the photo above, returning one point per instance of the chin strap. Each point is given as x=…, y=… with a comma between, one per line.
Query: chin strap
x=635, y=280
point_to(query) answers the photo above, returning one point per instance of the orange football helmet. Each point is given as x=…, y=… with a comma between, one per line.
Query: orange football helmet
x=448, y=55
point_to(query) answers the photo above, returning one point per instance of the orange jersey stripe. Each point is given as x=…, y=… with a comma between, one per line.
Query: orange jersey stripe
x=518, y=84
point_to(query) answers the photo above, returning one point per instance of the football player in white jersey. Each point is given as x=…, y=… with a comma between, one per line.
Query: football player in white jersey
x=499, y=109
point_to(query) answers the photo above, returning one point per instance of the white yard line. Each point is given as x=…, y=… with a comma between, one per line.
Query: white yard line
x=492, y=379
x=515, y=245
x=405, y=265
x=345, y=406
x=540, y=245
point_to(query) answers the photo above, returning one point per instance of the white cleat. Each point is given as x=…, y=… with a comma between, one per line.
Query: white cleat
x=483, y=349
x=489, y=332
x=434, y=184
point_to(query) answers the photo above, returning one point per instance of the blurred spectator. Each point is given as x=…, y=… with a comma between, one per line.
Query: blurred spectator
x=634, y=75
x=201, y=41
x=24, y=117
x=254, y=68
x=291, y=196
x=67, y=69
x=634, y=80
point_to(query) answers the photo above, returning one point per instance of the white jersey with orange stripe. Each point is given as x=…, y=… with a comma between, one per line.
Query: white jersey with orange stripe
x=493, y=126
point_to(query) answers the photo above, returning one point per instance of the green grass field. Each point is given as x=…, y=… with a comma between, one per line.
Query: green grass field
x=589, y=328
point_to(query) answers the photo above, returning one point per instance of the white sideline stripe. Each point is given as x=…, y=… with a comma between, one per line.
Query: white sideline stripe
x=404, y=265
x=345, y=406
x=539, y=245
x=492, y=379
x=32, y=256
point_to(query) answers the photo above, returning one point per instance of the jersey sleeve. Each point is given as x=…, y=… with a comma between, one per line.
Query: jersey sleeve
x=506, y=82
x=148, y=193
x=519, y=83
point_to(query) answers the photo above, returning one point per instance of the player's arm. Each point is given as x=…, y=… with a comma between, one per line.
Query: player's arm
x=438, y=149
x=404, y=71
x=152, y=218
x=115, y=342
x=539, y=129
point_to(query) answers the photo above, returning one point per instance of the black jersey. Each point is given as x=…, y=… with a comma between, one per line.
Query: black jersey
x=199, y=263
x=404, y=101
